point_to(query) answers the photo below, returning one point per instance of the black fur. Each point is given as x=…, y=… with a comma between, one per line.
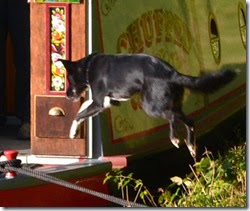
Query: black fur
x=120, y=76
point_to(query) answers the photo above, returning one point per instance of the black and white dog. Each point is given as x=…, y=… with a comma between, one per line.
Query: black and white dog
x=114, y=78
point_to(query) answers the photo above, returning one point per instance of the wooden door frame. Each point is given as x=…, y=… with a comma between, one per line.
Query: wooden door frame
x=38, y=25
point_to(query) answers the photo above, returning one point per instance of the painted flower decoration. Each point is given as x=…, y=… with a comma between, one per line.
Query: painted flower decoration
x=57, y=67
x=58, y=25
x=57, y=82
x=58, y=43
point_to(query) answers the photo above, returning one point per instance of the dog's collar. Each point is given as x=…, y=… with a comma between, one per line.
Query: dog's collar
x=91, y=56
x=87, y=76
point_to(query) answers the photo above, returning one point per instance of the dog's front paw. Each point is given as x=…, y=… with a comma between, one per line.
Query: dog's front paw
x=73, y=129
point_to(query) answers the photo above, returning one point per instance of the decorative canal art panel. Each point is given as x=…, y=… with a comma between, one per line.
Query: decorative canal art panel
x=57, y=46
x=157, y=28
x=177, y=31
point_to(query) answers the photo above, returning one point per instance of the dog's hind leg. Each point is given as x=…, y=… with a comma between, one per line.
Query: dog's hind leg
x=172, y=125
x=189, y=124
x=190, y=141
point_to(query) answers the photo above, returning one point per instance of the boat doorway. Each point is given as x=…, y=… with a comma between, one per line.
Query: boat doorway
x=57, y=30
x=9, y=122
x=10, y=79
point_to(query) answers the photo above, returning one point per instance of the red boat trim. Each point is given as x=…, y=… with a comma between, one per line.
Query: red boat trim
x=51, y=195
x=118, y=161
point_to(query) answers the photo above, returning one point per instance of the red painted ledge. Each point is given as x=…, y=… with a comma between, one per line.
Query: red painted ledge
x=118, y=161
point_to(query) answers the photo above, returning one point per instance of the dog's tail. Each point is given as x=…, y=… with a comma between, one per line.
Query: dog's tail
x=209, y=82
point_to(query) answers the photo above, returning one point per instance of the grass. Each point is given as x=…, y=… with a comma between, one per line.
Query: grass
x=212, y=182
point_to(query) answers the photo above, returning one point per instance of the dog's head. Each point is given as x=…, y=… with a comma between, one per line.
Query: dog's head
x=77, y=77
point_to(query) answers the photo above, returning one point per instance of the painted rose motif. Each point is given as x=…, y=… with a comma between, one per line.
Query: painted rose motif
x=57, y=82
x=57, y=51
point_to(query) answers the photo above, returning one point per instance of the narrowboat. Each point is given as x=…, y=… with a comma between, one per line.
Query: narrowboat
x=195, y=37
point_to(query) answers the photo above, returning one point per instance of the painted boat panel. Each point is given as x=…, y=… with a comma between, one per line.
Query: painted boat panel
x=181, y=33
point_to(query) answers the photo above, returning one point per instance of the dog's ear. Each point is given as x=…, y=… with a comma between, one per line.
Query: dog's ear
x=69, y=65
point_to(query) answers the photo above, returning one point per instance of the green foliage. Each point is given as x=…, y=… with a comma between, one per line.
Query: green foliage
x=211, y=183
x=126, y=184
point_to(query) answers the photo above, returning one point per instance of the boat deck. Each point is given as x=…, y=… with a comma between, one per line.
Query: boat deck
x=9, y=141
